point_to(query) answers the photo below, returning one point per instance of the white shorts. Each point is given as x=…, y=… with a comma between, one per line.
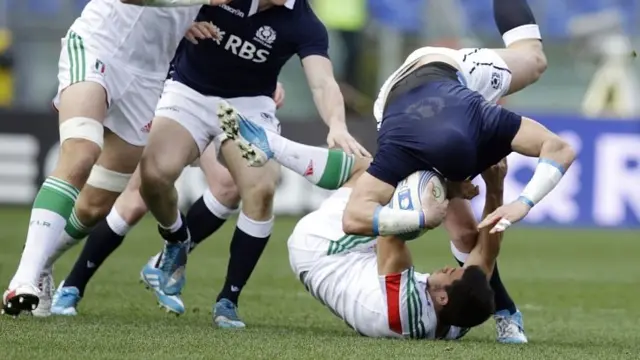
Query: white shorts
x=319, y=235
x=198, y=113
x=485, y=72
x=131, y=98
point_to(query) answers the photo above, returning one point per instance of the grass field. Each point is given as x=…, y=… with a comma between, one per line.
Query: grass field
x=578, y=291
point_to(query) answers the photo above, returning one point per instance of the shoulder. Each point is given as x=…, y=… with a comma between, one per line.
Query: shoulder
x=307, y=20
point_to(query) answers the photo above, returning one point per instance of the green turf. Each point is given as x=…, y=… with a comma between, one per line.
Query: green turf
x=578, y=291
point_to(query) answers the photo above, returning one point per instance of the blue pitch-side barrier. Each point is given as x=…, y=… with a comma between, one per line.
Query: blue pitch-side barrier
x=602, y=187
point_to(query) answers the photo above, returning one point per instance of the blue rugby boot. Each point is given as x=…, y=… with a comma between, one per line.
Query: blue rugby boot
x=225, y=315
x=151, y=277
x=65, y=301
x=250, y=138
x=173, y=259
x=510, y=327
x=170, y=303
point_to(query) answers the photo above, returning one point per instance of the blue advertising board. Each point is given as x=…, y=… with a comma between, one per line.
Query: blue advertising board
x=602, y=187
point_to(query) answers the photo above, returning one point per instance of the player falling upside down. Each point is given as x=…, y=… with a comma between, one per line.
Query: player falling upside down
x=370, y=282
x=436, y=112
x=112, y=67
x=242, y=65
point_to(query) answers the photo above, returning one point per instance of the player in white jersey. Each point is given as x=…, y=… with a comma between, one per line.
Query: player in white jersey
x=112, y=67
x=370, y=282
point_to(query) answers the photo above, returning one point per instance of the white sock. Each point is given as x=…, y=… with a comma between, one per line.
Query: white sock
x=459, y=255
x=216, y=207
x=327, y=168
x=255, y=228
x=175, y=226
x=64, y=243
x=119, y=225
x=45, y=227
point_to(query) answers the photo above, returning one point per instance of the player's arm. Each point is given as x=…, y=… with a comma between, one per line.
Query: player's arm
x=313, y=50
x=555, y=154
x=486, y=250
x=174, y=3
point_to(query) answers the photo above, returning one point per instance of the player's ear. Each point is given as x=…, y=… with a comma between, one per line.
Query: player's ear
x=440, y=296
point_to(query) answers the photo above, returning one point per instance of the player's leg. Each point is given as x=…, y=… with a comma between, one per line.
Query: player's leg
x=462, y=227
x=219, y=201
x=82, y=106
x=326, y=168
x=187, y=135
x=103, y=240
x=204, y=217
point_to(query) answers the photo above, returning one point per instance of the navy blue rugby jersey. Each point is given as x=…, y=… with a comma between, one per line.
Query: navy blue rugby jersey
x=252, y=49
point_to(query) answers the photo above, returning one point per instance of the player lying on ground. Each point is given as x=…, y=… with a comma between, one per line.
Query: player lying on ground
x=330, y=169
x=240, y=65
x=103, y=83
x=204, y=217
x=370, y=282
x=436, y=113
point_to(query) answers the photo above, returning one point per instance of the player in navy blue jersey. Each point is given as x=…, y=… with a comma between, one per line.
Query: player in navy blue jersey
x=254, y=39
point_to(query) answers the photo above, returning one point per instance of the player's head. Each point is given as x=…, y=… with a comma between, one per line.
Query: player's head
x=462, y=295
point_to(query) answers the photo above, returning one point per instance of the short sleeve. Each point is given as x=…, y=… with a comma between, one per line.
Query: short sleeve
x=404, y=304
x=312, y=38
x=499, y=128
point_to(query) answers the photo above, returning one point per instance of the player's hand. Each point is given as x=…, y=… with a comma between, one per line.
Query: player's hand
x=494, y=176
x=200, y=31
x=505, y=216
x=434, y=209
x=339, y=137
x=463, y=190
x=278, y=95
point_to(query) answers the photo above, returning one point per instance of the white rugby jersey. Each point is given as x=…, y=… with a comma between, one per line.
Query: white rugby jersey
x=343, y=275
x=142, y=39
x=477, y=66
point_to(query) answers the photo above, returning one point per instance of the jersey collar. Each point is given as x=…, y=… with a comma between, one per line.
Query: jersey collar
x=254, y=6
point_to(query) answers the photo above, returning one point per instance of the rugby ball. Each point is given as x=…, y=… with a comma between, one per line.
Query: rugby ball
x=408, y=195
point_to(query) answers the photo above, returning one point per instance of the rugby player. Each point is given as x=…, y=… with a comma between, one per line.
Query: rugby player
x=112, y=67
x=255, y=40
x=205, y=216
x=370, y=282
x=437, y=113
x=320, y=167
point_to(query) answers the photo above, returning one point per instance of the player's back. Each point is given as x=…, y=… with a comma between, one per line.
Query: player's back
x=142, y=39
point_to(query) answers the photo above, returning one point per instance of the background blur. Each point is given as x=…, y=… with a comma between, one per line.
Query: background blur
x=590, y=92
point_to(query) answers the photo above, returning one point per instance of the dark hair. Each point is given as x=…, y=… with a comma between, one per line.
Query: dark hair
x=471, y=300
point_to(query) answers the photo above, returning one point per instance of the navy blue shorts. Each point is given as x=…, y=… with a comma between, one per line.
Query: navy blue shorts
x=442, y=126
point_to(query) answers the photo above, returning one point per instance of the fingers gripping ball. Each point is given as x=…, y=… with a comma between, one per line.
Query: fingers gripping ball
x=408, y=195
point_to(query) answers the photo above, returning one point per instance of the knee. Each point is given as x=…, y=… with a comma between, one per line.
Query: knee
x=258, y=198
x=153, y=178
x=93, y=207
x=131, y=207
x=464, y=239
x=538, y=60
x=226, y=191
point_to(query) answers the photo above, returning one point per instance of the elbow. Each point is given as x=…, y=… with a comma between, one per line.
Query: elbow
x=353, y=224
x=562, y=151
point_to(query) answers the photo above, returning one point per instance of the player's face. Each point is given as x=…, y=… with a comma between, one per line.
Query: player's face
x=445, y=276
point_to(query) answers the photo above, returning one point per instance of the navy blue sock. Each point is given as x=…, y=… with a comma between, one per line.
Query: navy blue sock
x=510, y=14
x=501, y=296
x=101, y=243
x=202, y=222
x=245, y=251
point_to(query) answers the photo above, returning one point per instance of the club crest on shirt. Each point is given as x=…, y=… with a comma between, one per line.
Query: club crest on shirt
x=265, y=36
x=496, y=80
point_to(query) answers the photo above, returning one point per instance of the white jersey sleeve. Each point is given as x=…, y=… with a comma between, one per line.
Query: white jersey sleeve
x=409, y=310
